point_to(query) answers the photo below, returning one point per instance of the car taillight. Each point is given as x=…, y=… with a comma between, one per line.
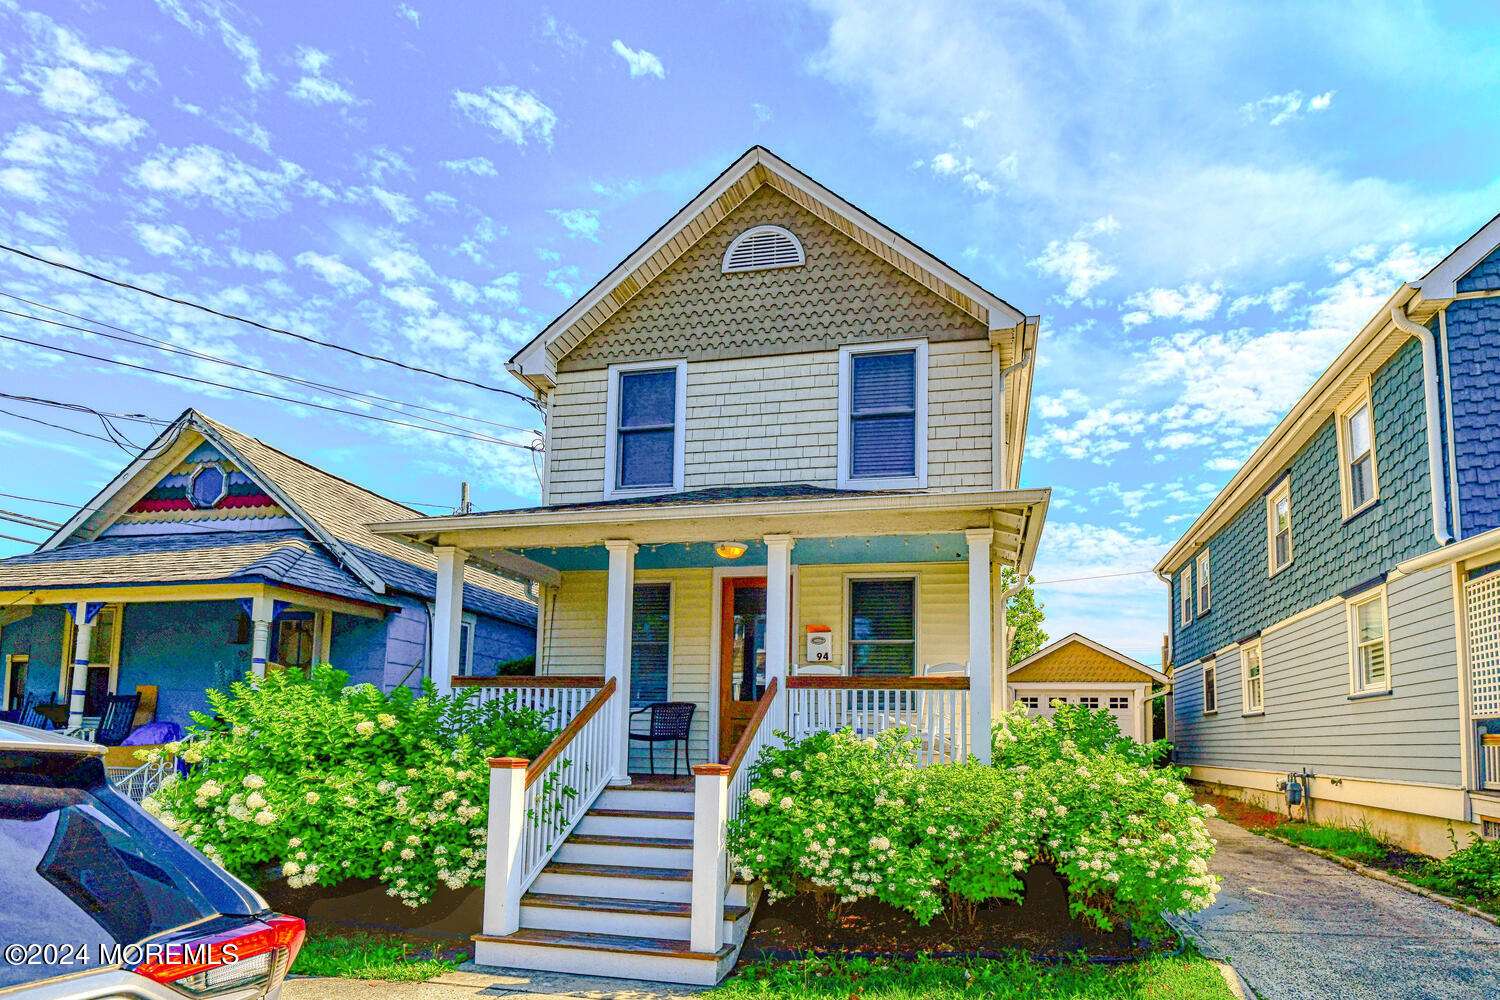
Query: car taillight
x=257, y=955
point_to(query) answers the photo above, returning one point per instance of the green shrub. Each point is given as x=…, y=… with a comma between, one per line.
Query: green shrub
x=1473, y=871
x=331, y=782
x=1020, y=738
x=856, y=818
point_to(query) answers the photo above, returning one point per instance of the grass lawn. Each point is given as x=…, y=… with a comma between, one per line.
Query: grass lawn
x=357, y=955
x=1183, y=977
x=1356, y=845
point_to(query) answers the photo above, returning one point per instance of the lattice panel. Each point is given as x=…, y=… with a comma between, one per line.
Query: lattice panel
x=1484, y=642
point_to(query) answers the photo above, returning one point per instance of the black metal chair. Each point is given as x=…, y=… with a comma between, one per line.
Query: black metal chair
x=117, y=719
x=670, y=723
x=30, y=716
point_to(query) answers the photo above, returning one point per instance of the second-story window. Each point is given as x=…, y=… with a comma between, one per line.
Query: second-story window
x=1205, y=592
x=1185, y=595
x=1356, y=439
x=883, y=416
x=1279, y=527
x=646, y=408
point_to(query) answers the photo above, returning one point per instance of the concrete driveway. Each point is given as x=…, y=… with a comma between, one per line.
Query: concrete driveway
x=1296, y=926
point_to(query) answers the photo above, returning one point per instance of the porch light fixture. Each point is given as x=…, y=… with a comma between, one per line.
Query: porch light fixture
x=730, y=550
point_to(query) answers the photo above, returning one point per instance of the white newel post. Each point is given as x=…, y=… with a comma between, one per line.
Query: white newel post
x=778, y=614
x=448, y=616
x=619, y=603
x=502, y=857
x=262, y=610
x=710, y=856
x=981, y=682
x=83, y=619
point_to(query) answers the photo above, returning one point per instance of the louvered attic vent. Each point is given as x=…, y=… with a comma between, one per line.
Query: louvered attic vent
x=763, y=247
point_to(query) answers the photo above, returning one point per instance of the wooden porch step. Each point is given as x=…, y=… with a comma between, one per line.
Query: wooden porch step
x=657, y=907
x=641, y=814
x=619, y=943
x=619, y=871
x=614, y=840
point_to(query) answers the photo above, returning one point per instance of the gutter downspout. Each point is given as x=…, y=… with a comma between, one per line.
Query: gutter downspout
x=1000, y=699
x=1000, y=453
x=1438, y=484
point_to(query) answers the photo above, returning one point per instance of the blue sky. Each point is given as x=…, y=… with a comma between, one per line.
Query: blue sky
x=1204, y=201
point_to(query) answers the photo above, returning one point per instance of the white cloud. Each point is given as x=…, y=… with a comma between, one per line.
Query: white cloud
x=399, y=205
x=399, y=265
x=641, y=62
x=762, y=113
x=1278, y=299
x=1097, y=435
x=412, y=297
x=505, y=289
x=563, y=280
x=332, y=270
x=314, y=87
x=1192, y=303
x=203, y=173
x=260, y=260
x=23, y=183
x=1077, y=263
x=580, y=222
x=1286, y=107
x=949, y=165
x=562, y=35
x=479, y=166
x=72, y=48
x=163, y=241
x=515, y=113
x=410, y=13
x=69, y=91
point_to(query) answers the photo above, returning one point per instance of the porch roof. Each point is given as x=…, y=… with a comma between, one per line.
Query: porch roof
x=518, y=539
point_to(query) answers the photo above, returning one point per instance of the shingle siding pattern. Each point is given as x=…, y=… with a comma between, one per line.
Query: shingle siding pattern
x=1485, y=276
x=843, y=294
x=1310, y=721
x=1329, y=556
x=1474, y=371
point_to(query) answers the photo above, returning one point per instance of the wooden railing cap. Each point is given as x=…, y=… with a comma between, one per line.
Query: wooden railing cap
x=561, y=740
x=821, y=683
x=511, y=762
x=711, y=769
x=550, y=681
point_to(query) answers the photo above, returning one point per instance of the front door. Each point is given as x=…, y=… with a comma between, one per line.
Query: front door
x=742, y=656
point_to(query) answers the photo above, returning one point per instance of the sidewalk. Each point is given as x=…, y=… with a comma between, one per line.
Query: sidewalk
x=470, y=981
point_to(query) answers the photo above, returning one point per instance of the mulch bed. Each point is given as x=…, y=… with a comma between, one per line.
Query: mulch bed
x=1039, y=925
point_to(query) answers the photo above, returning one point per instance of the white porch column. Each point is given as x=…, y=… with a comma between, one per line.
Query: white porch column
x=619, y=604
x=84, y=621
x=502, y=862
x=448, y=617
x=981, y=681
x=778, y=608
x=262, y=610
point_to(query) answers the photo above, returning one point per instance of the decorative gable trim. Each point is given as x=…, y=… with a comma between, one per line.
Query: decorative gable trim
x=1067, y=640
x=1441, y=283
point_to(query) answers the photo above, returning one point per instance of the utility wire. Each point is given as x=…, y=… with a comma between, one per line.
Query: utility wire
x=27, y=541
x=80, y=408
x=27, y=519
x=73, y=507
x=265, y=395
x=178, y=349
x=263, y=326
x=60, y=427
x=1101, y=576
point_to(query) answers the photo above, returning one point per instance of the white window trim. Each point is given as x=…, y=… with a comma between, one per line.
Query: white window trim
x=1211, y=665
x=1283, y=490
x=1351, y=607
x=753, y=232
x=1246, y=708
x=845, y=451
x=916, y=616
x=1341, y=426
x=467, y=661
x=1185, y=596
x=611, y=428
x=1204, y=600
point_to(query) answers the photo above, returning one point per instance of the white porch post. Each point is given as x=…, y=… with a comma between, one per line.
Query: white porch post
x=981, y=683
x=778, y=611
x=710, y=856
x=76, y=690
x=262, y=610
x=619, y=603
x=502, y=862
x=447, y=619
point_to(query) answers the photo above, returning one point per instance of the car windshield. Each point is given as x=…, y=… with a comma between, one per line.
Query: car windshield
x=77, y=877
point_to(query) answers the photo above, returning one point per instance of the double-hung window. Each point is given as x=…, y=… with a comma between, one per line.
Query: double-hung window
x=1253, y=685
x=1369, y=654
x=1204, y=591
x=650, y=643
x=883, y=627
x=1356, y=436
x=643, y=450
x=1185, y=595
x=1279, y=527
x=1210, y=687
x=882, y=437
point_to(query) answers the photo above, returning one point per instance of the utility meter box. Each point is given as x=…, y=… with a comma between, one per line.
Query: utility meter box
x=819, y=644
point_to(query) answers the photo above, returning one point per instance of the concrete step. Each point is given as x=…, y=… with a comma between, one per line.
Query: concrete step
x=615, y=955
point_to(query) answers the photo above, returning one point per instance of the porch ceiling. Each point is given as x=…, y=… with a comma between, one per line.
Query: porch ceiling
x=924, y=525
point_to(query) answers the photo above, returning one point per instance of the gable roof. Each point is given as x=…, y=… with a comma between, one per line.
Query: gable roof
x=1371, y=347
x=1076, y=659
x=536, y=362
x=332, y=511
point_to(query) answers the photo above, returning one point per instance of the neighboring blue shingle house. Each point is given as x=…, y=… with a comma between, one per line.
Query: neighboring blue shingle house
x=213, y=555
x=1336, y=609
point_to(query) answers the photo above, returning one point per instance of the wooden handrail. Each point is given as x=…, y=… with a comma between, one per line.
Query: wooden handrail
x=560, y=742
x=879, y=683
x=550, y=681
x=742, y=748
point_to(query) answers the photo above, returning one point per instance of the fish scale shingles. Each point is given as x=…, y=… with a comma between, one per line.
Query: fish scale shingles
x=1474, y=366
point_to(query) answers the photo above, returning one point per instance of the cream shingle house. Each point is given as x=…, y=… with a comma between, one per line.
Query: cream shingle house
x=781, y=481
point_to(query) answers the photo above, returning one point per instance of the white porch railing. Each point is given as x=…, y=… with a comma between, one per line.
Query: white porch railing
x=1489, y=762
x=563, y=696
x=934, y=710
x=534, y=805
x=136, y=783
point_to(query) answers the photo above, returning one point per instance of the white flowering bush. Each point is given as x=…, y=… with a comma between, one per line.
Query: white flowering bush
x=854, y=818
x=327, y=782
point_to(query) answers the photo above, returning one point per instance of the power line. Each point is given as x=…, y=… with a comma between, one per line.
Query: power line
x=1101, y=576
x=27, y=519
x=265, y=395
x=60, y=427
x=263, y=326
x=26, y=541
x=172, y=348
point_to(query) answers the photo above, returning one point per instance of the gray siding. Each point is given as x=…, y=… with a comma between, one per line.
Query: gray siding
x=1310, y=720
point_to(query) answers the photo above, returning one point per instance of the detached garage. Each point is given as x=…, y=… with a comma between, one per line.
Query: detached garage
x=1079, y=671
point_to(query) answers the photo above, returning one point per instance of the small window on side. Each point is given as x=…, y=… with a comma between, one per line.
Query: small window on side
x=1279, y=527
x=1252, y=681
x=1204, y=590
x=1185, y=595
x=1358, y=481
x=1210, y=688
x=1369, y=655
